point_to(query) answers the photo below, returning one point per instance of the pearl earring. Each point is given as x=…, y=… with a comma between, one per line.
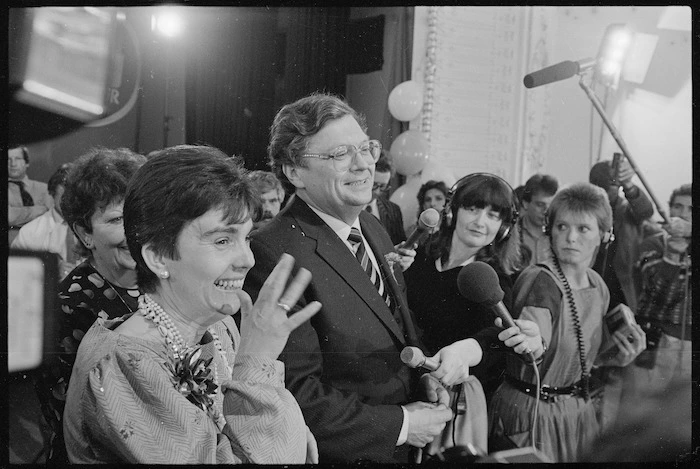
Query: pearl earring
x=164, y=274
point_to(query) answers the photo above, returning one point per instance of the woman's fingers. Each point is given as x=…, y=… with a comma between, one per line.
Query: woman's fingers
x=296, y=288
x=275, y=282
x=301, y=316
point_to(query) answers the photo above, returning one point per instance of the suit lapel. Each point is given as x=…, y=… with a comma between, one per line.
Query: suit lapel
x=336, y=254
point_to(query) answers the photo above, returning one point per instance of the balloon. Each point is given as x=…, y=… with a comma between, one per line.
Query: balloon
x=406, y=100
x=409, y=152
x=405, y=198
x=437, y=172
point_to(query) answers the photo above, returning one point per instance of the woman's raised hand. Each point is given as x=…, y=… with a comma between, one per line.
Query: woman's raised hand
x=265, y=325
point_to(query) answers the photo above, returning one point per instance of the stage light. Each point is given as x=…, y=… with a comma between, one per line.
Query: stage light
x=612, y=53
x=167, y=22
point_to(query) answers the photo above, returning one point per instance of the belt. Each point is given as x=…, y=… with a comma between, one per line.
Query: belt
x=547, y=393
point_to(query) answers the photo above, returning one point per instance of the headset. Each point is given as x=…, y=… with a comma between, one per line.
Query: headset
x=506, y=227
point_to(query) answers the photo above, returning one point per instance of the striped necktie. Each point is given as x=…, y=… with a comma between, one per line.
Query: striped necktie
x=356, y=241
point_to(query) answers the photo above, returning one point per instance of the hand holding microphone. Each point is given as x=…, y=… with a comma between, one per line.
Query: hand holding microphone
x=427, y=222
x=478, y=282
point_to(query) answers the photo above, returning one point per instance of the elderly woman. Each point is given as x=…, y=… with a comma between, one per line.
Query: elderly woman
x=175, y=383
x=568, y=301
x=104, y=285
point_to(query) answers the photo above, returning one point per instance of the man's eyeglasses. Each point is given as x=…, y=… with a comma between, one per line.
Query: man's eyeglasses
x=343, y=156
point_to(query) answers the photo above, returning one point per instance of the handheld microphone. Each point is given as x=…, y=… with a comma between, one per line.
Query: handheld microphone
x=478, y=282
x=414, y=357
x=557, y=72
x=427, y=221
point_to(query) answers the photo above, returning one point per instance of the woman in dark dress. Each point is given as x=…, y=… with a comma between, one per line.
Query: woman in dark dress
x=475, y=227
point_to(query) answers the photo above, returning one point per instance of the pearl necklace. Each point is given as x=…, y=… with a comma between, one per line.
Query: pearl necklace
x=153, y=311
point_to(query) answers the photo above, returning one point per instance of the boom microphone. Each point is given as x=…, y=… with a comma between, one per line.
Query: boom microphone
x=557, y=72
x=478, y=282
x=427, y=221
x=414, y=357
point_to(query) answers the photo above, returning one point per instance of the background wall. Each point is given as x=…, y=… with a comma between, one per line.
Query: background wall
x=654, y=117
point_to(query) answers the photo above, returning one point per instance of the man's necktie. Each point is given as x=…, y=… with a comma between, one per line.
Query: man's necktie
x=27, y=200
x=355, y=239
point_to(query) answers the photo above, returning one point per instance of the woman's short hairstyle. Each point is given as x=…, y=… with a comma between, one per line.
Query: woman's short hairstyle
x=97, y=178
x=432, y=184
x=582, y=198
x=480, y=191
x=177, y=185
x=296, y=123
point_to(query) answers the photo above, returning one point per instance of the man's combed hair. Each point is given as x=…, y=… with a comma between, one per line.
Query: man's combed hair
x=177, y=185
x=296, y=123
x=685, y=189
x=537, y=183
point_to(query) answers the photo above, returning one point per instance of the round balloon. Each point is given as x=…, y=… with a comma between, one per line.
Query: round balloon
x=409, y=152
x=433, y=171
x=406, y=100
x=405, y=198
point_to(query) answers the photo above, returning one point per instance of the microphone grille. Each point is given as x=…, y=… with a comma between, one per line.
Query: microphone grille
x=430, y=217
x=412, y=357
x=478, y=282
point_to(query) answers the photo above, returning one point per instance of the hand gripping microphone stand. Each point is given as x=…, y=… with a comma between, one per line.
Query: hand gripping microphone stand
x=618, y=138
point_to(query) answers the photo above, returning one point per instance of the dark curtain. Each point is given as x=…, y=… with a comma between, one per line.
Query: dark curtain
x=230, y=80
x=316, y=57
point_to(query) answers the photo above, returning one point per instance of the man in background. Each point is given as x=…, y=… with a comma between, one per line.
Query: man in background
x=49, y=231
x=381, y=207
x=26, y=198
x=271, y=194
x=537, y=194
x=631, y=207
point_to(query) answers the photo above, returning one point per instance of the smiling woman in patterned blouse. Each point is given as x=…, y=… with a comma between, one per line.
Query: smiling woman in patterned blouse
x=104, y=285
x=175, y=382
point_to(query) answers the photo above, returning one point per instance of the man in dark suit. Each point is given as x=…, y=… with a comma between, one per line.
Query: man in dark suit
x=344, y=365
x=381, y=207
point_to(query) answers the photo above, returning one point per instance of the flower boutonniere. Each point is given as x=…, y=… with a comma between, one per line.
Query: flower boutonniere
x=391, y=259
x=194, y=379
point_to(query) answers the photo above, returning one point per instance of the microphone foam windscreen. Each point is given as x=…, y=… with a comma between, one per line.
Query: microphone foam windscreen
x=412, y=357
x=478, y=282
x=430, y=217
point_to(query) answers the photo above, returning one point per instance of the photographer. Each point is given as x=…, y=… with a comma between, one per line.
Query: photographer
x=664, y=305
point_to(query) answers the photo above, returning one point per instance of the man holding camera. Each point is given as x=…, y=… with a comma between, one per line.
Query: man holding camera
x=631, y=207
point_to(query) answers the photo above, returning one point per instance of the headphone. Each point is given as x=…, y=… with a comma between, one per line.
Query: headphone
x=608, y=236
x=506, y=227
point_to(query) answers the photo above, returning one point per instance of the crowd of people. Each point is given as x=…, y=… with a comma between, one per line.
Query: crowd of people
x=212, y=314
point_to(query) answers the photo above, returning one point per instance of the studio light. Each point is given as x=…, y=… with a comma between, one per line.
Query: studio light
x=167, y=22
x=612, y=54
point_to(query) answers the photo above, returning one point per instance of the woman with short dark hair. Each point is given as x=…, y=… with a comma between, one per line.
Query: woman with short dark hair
x=175, y=382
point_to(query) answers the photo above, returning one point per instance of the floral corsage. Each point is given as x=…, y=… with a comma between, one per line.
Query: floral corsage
x=194, y=379
x=391, y=259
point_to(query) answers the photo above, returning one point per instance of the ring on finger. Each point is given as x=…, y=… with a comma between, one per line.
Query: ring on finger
x=528, y=351
x=284, y=306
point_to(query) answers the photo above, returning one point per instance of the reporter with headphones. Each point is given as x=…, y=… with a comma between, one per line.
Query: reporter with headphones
x=477, y=221
x=568, y=300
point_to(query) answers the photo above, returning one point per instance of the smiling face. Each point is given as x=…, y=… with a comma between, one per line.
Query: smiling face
x=340, y=194
x=477, y=227
x=434, y=198
x=110, y=250
x=214, y=258
x=575, y=237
